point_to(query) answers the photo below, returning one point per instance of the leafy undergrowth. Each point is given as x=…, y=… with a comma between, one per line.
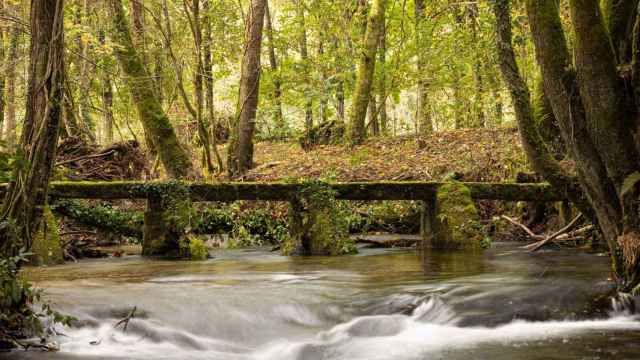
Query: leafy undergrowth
x=478, y=154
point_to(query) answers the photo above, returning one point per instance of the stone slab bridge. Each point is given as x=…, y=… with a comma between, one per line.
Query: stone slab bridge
x=288, y=192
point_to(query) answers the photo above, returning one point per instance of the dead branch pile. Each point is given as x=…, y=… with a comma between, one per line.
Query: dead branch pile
x=120, y=161
x=567, y=235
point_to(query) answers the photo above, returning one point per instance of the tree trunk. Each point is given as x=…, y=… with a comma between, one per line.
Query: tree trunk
x=27, y=194
x=240, y=153
x=107, y=101
x=479, y=116
x=203, y=132
x=592, y=106
x=304, y=56
x=278, y=117
x=366, y=67
x=12, y=62
x=424, y=120
x=3, y=70
x=208, y=82
x=382, y=84
x=373, y=116
x=323, y=77
x=155, y=122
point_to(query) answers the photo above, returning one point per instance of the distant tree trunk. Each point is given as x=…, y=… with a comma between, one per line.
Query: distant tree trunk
x=458, y=101
x=107, y=101
x=203, y=132
x=382, y=85
x=154, y=120
x=27, y=194
x=366, y=67
x=495, y=88
x=339, y=88
x=479, y=116
x=12, y=62
x=278, y=117
x=240, y=154
x=373, y=116
x=87, y=125
x=304, y=55
x=323, y=76
x=208, y=82
x=424, y=120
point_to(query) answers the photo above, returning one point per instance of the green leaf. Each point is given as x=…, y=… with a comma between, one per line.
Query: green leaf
x=629, y=183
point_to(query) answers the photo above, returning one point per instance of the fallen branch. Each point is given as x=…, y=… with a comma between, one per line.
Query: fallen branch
x=86, y=157
x=524, y=227
x=126, y=320
x=539, y=244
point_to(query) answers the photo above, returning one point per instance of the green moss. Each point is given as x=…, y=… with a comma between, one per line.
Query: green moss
x=318, y=226
x=46, y=246
x=459, y=224
x=197, y=249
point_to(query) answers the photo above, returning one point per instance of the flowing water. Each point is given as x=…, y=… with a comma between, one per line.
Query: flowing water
x=380, y=304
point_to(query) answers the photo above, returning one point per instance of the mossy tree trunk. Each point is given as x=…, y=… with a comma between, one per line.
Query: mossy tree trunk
x=240, y=153
x=595, y=109
x=3, y=69
x=23, y=205
x=156, y=124
x=366, y=69
x=382, y=81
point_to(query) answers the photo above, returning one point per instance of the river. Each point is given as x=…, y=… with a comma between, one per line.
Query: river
x=380, y=304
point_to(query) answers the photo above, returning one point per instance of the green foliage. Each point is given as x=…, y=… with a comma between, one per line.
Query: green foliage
x=197, y=249
x=103, y=215
x=322, y=221
x=19, y=301
x=359, y=157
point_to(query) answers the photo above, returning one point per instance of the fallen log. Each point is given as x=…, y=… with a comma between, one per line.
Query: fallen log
x=233, y=191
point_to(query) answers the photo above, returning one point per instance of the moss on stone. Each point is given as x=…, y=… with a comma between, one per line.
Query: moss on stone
x=46, y=246
x=317, y=225
x=458, y=221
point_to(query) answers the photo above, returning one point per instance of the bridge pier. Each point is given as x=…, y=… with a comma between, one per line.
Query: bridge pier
x=160, y=237
x=428, y=220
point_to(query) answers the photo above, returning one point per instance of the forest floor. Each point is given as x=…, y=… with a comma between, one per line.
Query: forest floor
x=489, y=155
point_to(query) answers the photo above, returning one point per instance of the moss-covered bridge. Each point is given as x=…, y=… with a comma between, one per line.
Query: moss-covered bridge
x=162, y=210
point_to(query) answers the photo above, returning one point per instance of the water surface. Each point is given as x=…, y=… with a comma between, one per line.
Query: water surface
x=380, y=304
